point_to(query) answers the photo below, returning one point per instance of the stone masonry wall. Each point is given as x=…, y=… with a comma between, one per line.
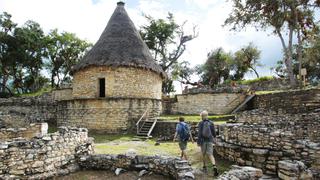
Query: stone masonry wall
x=289, y=101
x=112, y=115
x=173, y=167
x=119, y=82
x=26, y=110
x=28, y=132
x=62, y=94
x=47, y=156
x=262, y=138
x=214, y=103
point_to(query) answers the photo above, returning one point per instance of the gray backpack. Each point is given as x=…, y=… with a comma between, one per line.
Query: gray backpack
x=206, y=131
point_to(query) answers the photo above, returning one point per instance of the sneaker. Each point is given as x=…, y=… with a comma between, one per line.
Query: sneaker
x=204, y=170
x=215, y=171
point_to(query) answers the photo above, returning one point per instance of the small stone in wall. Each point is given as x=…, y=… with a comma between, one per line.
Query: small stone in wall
x=143, y=172
x=241, y=173
x=157, y=143
x=131, y=152
x=118, y=171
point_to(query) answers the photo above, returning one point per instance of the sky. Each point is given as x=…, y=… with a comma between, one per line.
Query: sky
x=88, y=18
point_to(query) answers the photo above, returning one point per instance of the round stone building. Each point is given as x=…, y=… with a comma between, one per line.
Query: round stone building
x=115, y=82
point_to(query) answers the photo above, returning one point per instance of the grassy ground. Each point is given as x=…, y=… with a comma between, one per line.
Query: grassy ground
x=218, y=119
x=37, y=93
x=117, y=144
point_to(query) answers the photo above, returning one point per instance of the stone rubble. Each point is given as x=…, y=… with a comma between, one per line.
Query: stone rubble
x=290, y=170
x=168, y=166
x=43, y=157
x=241, y=173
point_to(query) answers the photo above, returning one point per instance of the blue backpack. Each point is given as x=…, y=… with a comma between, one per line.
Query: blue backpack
x=183, y=132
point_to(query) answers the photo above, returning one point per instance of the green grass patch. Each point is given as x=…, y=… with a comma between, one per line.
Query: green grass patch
x=140, y=147
x=37, y=93
x=104, y=138
x=268, y=92
x=52, y=129
x=120, y=144
x=196, y=118
x=251, y=81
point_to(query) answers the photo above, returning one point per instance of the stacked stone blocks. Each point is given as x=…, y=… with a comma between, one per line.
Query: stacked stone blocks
x=43, y=157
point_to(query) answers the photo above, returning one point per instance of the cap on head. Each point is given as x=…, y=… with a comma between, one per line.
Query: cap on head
x=204, y=114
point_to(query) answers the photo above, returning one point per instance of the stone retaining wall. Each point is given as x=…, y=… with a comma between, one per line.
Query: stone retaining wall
x=261, y=140
x=112, y=115
x=62, y=94
x=33, y=130
x=173, y=167
x=289, y=101
x=267, y=158
x=214, y=103
x=26, y=110
x=274, y=134
x=165, y=130
x=47, y=156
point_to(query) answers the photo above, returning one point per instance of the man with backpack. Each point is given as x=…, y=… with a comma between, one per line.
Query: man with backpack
x=183, y=134
x=206, y=137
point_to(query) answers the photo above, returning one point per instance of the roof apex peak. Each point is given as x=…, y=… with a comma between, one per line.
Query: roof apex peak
x=121, y=3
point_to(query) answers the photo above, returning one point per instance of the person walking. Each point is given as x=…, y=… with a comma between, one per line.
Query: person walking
x=206, y=137
x=183, y=134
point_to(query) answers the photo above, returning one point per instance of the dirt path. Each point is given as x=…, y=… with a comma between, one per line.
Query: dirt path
x=108, y=175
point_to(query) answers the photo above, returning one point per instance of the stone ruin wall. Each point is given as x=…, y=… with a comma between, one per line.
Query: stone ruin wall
x=19, y=112
x=263, y=138
x=119, y=82
x=43, y=157
x=112, y=115
x=168, y=166
x=214, y=103
x=62, y=94
x=28, y=132
x=289, y=101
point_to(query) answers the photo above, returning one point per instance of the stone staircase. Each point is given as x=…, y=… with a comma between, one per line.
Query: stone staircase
x=248, y=98
x=184, y=170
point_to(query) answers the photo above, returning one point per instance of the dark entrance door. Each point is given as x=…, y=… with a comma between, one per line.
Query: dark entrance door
x=102, y=87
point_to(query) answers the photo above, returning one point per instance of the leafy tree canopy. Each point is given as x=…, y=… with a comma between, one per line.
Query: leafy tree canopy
x=167, y=42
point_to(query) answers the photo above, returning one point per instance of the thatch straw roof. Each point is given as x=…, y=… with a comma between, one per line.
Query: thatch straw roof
x=120, y=44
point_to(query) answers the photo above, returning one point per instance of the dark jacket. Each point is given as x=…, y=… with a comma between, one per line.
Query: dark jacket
x=202, y=139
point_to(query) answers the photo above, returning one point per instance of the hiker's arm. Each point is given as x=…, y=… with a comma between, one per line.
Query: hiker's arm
x=191, y=137
x=213, y=130
x=199, y=134
x=175, y=136
x=190, y=133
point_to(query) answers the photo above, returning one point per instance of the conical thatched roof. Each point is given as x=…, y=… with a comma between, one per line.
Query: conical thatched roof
x=120, y=44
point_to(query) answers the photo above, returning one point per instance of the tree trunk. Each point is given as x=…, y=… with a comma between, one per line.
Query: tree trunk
x=255, y=71
x=299, y=53
x=288, y=56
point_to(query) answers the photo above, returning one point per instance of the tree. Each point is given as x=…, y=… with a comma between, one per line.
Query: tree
x=312, y=56
x=29, y=54
x=167, y=42
x=182, y=72
x=64, y=50
x=7, y=27
x=291, y=17
x=247, y=58
x=217, y=67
